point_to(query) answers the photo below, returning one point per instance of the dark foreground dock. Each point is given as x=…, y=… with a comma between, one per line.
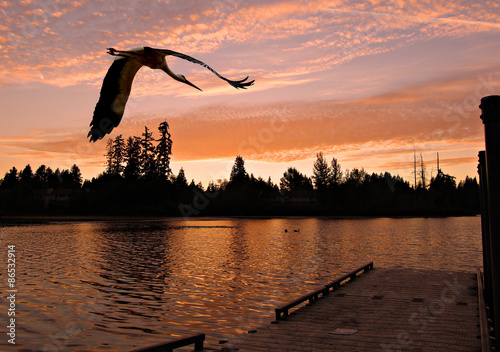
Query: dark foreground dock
x=381, y=310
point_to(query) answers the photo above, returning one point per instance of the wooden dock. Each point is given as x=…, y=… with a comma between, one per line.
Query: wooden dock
x=387, y=310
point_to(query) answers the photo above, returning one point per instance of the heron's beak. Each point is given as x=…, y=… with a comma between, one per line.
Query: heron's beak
x=191, y=84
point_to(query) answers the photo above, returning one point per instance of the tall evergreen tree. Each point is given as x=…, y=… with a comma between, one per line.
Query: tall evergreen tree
x=10, y=179
x=163, y=150
x=109, y=156
x=76, y=176
x=115, y=151
x=41, y=176
x=181, y=180
x=336, y=172
x=26, y=176
x=56, y=178
x=132, y=158
x=52, y=178
x=148, y=160
x=66, y=178
x=238, y=172
x=322, y=174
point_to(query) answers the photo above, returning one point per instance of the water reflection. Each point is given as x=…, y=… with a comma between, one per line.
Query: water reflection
x=113, y=286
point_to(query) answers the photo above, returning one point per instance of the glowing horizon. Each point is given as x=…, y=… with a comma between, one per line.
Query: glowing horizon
x=367, y=83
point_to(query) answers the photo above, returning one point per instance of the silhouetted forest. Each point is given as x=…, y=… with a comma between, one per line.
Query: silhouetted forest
x=137, y=180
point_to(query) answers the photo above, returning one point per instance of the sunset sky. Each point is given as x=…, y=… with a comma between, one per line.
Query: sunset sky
x=366, y=82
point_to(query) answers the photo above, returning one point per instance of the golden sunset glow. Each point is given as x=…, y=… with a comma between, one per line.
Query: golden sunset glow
x=365, y=82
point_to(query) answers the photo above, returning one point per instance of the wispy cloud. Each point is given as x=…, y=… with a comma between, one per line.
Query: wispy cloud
x=63, y=43
x=360, y=132
x=298, y=51
x=286, y=132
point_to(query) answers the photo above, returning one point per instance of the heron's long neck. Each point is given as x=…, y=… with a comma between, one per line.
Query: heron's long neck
x=167, y=70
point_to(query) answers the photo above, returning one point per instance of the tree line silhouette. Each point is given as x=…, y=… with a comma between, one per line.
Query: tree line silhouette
x=137, y=180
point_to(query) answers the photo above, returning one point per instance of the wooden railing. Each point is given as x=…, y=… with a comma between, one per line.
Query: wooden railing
x=483, y=317
x=171, y=345
x=282, y=311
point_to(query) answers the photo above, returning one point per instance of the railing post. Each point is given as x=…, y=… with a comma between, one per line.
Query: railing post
x=490, y=114
x=198, y=345
x=485, y=228
x=277, y=312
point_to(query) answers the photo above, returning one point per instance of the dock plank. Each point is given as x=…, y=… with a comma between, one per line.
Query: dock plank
x=390, y=310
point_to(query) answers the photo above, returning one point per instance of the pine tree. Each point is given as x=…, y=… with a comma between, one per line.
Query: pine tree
x=76, y=176
x=66, y=178
x=118, y=153
x=238, y=172
x=41, y=176
x=26, y=176
x=181, y=180
x=109, y=156
x=148, y=162
x=52, y=178
x=10, y=179
x=163, y=151
x=115, y=151
x=322, y=174
x=132, y=158
x=56, y=178
x=336, y=172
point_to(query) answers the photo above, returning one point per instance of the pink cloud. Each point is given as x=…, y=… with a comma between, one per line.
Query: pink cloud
x=84, y=29
x=293, y=49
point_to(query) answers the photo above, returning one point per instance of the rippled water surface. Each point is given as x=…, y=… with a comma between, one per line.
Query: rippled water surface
x=119, y=285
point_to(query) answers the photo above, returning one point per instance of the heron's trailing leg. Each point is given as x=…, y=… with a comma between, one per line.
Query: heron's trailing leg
x=114, y=52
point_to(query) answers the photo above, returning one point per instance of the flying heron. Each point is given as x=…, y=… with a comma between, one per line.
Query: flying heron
x=118, y=82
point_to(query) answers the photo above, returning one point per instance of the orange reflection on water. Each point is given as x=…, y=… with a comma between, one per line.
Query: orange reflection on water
x=137, y=283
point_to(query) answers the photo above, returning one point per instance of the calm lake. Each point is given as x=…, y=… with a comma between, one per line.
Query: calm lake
x=119, y=285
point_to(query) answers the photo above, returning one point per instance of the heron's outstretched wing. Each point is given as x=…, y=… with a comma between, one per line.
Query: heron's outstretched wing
x=236, y=84
x=114, y=95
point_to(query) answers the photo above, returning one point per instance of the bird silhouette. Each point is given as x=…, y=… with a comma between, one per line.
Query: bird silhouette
x=118, y=82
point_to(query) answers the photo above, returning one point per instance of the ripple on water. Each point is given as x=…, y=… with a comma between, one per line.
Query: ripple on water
x=114, y=286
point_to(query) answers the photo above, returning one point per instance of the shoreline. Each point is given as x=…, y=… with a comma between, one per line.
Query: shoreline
x=40, y=219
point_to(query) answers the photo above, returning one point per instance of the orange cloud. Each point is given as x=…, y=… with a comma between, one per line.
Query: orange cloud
x=286, y=132
x=376, y=136
x=40, y=45
x=288, y=46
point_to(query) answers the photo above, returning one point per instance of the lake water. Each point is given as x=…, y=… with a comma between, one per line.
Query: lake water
x=119, y=285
